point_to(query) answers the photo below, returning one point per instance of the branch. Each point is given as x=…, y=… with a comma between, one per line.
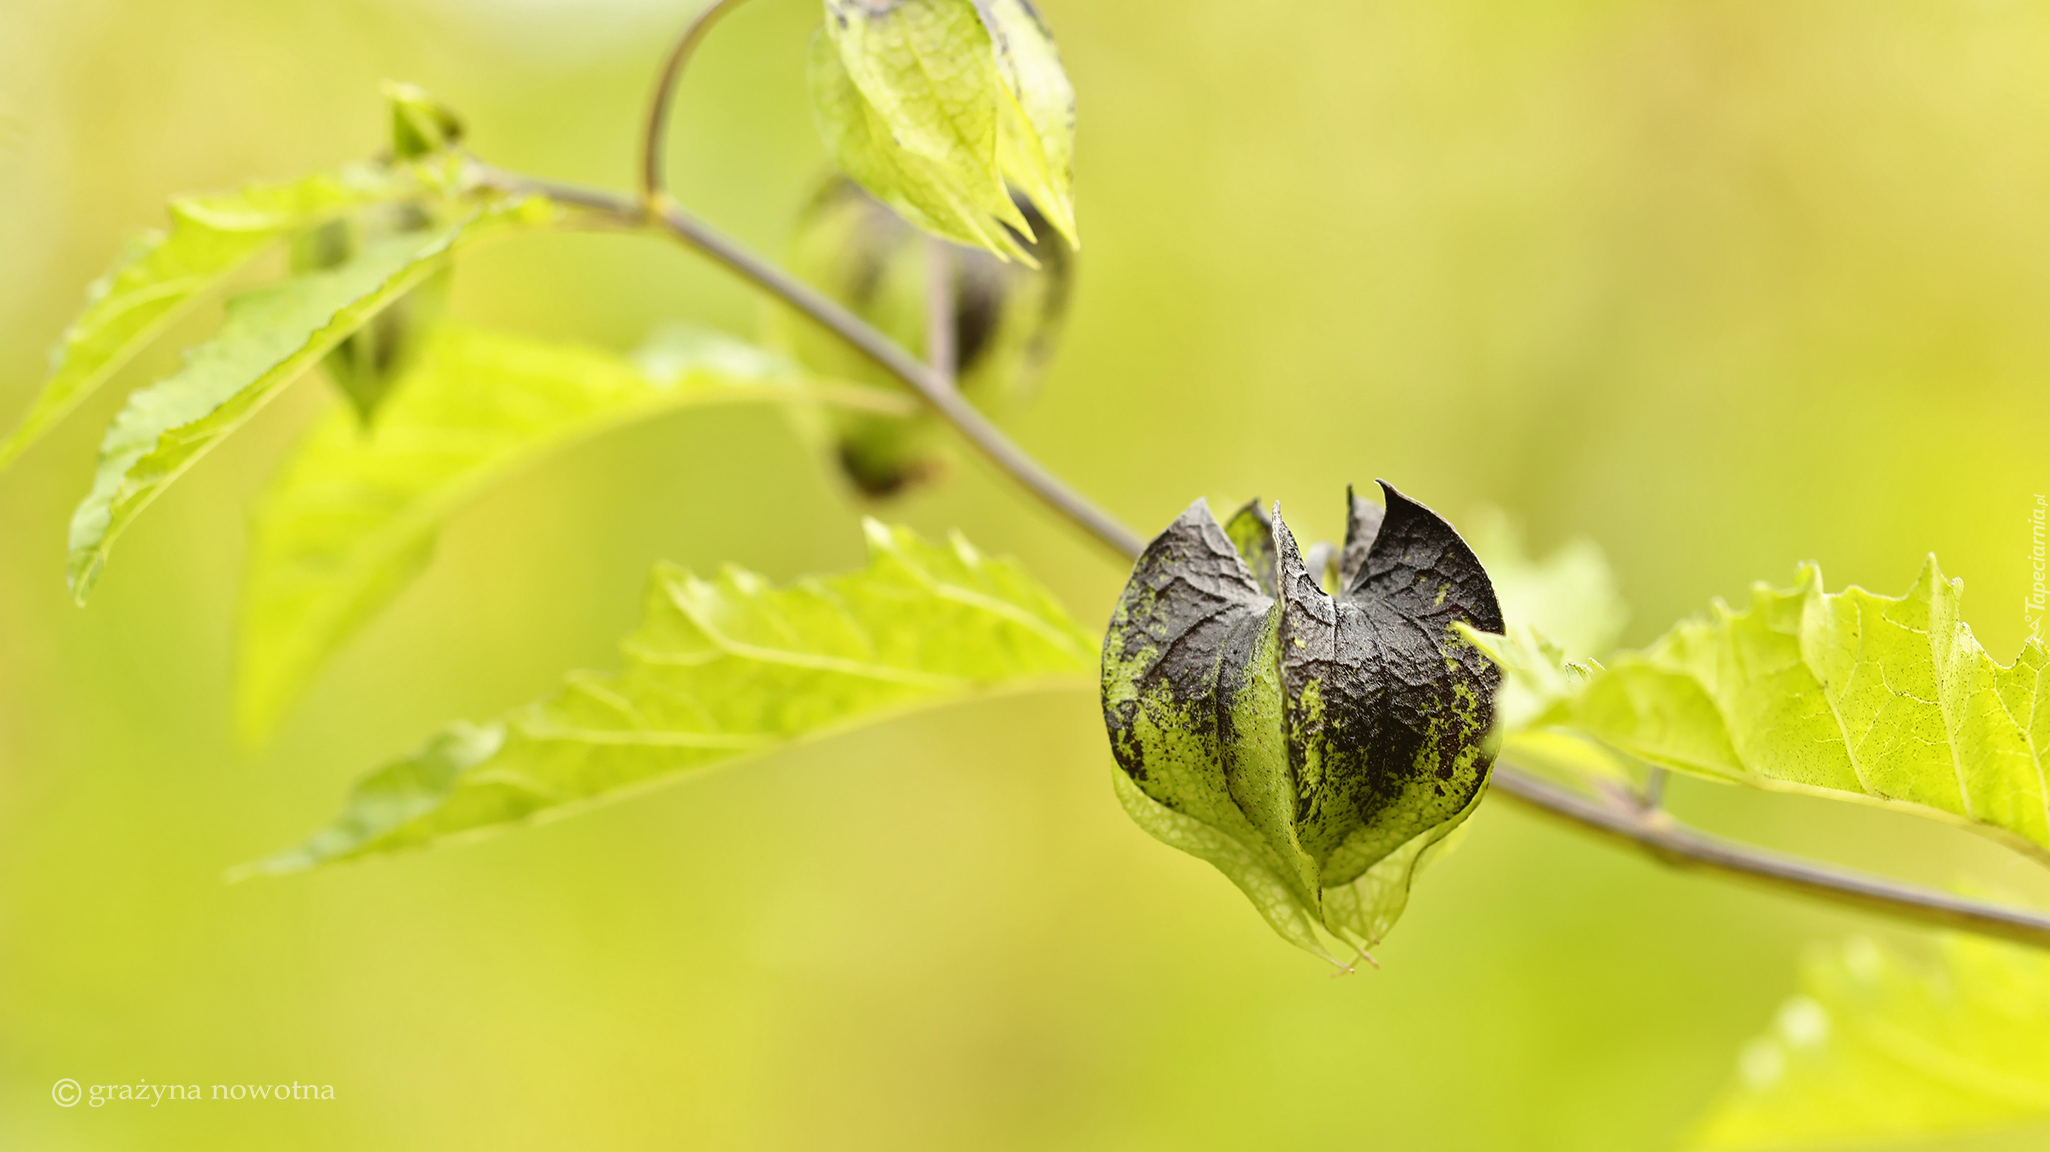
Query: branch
x=1644, y=826
x=933, y=388
x=936, y=390
x=1656, y=832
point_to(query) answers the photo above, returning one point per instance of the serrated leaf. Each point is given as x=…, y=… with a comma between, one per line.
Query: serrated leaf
x=369, y=360
x=268, y=337
x=352, y=517
x=1876, y=1048
x=163, y=273
x=1317, y=749
x=720, y=670
x=1848, y=695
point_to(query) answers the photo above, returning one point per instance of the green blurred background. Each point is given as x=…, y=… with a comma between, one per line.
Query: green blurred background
x=1724, y=285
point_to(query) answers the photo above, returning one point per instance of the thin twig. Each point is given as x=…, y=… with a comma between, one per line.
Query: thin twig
x=1665, y=839
x=655, y=130
x=1641, y=825
x=934, y=389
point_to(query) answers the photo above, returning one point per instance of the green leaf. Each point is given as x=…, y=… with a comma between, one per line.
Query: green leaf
x=1318, y=750
x=352, y=517
x=1036, y=110
x=268, y=338
x=933, y=104
x=1007, y=318
x=721, y=670
x=1875, y=1048
x=1570, y=597
x=1847, y=695
x=162, y=274
x=369, y=360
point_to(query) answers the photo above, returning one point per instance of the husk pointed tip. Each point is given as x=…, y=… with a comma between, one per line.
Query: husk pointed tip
x=1197, y=512
x=1284, y=536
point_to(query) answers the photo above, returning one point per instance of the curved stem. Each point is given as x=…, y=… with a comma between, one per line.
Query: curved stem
x=1641, y=823
x=655, y=131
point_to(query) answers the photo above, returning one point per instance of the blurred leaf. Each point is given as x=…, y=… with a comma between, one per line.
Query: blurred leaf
x=933, y=104
x=367, y=361
x=1574, y=759
x=421, y=125
x=162, y=274
x=1317, y=750
x=1846, y=695
x=351, y=519
x=1536, y=674
x=1007, y=318
x=269, y=336
x=1876, y=1049
x=721, y=670
x=1570, y=597
x=1560, y=613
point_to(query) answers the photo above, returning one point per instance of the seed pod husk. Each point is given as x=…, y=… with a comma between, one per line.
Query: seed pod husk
x=1317, y=747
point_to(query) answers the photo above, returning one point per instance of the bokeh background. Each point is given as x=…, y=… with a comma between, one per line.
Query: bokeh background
x=1725, y=286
